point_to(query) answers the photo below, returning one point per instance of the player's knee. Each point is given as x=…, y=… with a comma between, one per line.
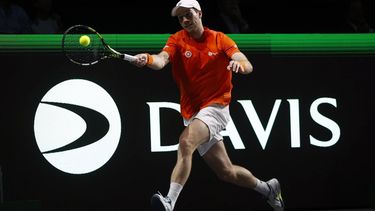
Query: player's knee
x=186, y=146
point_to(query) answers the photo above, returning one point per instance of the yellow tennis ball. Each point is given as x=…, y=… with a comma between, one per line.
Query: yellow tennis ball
x=84, y=40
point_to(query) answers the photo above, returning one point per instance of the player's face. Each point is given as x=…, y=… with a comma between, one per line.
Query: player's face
x=190, y=19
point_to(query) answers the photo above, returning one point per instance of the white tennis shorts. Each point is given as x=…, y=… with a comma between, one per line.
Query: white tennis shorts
x=216, y=117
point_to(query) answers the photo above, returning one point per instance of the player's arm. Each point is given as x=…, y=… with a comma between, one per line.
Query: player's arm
x=153, y=61
x=240, y=64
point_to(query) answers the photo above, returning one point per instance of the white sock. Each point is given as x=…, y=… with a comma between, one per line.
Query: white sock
x=174, y=192
x=262, y=188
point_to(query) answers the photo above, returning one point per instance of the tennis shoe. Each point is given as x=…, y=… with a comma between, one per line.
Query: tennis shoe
x=161, y=203
x=274, y=197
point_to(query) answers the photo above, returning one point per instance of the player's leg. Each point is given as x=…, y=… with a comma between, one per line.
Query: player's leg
x=192, y=136
x=218, y=159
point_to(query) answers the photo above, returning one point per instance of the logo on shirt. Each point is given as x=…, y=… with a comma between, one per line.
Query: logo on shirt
x=188, y=54
x=211, y=53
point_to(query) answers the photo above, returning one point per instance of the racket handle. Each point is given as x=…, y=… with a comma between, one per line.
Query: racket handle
x=128, y=57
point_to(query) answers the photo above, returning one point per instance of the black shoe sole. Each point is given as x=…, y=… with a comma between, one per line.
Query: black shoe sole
x=156, y=204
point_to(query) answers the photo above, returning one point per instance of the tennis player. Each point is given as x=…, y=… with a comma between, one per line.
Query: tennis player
x=203, y=61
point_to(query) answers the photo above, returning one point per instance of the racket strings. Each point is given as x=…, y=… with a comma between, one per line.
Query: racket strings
x=81, y=53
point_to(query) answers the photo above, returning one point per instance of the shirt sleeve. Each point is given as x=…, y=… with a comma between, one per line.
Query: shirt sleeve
x=171, y=47
x=228, y=45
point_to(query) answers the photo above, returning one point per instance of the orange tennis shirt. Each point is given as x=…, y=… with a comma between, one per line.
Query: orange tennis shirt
x=199, y=69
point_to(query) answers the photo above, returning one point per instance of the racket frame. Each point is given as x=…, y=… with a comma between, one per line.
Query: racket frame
x=109, y=52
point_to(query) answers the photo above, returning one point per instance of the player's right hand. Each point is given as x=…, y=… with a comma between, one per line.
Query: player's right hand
x=141, y=60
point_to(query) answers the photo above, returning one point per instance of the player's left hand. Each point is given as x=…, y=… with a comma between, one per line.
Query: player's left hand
x=235, y=66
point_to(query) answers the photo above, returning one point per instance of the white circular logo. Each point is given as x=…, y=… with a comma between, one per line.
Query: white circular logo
x=188, y=54
x=77, y=126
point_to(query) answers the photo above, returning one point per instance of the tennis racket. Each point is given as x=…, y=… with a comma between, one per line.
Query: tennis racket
x=83, y=45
